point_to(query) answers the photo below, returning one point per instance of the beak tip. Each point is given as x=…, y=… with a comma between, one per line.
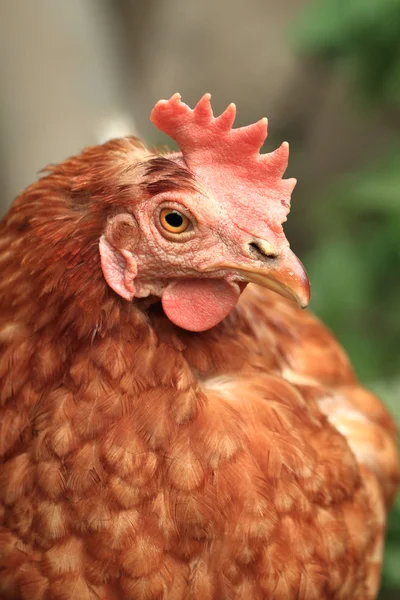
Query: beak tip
x=303, y=298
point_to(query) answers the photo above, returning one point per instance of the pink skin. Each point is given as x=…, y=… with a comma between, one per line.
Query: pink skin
x=156, y=262
x=214, y=239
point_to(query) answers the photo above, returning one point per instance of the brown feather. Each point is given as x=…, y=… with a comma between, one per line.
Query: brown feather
x=141, y=461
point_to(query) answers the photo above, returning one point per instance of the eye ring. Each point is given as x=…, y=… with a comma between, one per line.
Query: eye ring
x=174, y=221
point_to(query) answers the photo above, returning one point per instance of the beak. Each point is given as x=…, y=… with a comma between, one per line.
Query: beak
x=284, y=274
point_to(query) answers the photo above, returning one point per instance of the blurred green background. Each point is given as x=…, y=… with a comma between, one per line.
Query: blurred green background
x=325, y=72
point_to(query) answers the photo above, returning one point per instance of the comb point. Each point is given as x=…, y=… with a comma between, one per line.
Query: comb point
x=262, y=126
x=227, y=118
x=253, y=136
x=278, y=159
x=290, y=184
x=203, y=107
x=264, y=122
x=175, y=97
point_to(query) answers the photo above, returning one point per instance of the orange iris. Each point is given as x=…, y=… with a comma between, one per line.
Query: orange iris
x=173, y=220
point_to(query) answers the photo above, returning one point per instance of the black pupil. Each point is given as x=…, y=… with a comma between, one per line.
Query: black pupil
x=174, y=219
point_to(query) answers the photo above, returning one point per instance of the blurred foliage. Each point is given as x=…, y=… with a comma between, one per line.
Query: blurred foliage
x=354, y=264
x=390, y=391
x=361, y=36
x=391, y=570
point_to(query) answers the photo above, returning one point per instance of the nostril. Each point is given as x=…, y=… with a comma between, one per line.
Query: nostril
x=261, y=251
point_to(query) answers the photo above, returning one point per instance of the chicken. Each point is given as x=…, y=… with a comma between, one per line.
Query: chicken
x=214, y=445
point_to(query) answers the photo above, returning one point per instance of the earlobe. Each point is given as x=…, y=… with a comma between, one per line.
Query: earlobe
x=117, y=260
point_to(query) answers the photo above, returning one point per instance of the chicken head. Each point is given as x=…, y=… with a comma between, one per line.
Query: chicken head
x=209, y=221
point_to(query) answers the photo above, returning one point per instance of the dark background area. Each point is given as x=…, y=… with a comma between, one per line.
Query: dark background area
x=327, y=75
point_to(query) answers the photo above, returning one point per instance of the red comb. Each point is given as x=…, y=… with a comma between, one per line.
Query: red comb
x=209, y=143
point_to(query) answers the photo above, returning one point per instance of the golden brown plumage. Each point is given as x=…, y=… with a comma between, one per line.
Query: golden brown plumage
x=140, y=461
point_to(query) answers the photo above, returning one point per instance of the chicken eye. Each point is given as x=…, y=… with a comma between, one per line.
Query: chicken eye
x=173, y=221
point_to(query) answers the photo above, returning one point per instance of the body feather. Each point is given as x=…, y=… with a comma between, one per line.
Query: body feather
x=142, y=461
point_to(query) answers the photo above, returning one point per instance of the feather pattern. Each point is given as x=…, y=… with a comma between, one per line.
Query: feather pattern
x=142, y=461
x=198, y=470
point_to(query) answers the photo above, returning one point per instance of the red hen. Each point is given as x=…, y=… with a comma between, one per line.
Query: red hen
x=215, y=445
